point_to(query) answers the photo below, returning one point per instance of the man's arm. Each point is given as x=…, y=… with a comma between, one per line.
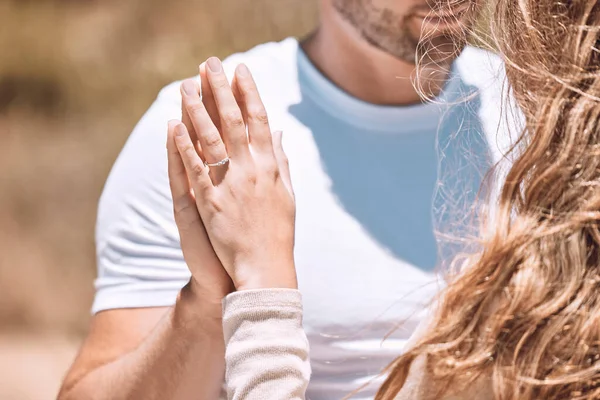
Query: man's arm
x=152, y=353
x=149, y=338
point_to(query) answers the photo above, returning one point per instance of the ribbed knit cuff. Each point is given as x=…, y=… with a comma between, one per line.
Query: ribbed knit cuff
x=261, y=298
x=266, y=349
x=260, y=304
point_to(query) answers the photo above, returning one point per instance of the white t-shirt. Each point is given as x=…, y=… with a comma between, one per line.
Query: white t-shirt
x=371, y=182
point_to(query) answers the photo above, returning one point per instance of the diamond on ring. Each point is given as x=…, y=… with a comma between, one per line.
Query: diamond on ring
x=217, y=164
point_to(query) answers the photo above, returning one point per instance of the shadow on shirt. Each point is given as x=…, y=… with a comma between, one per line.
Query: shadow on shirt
x=404, y=188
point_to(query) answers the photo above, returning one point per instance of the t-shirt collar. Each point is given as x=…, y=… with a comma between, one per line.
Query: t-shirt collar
x=395, y=119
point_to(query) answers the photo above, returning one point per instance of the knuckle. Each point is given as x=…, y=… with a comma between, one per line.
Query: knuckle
x=249, y=90
x=197, y=169
x=271, y=169
x=188, y=148
x=213, y=204
x=258, y=115
x=212, y=139
x=252, y=177
x=195, y=109
x=233, y=119
x=185, y=213
x=181, y=207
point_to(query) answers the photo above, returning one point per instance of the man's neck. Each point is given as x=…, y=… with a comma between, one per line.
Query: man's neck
x=362, y=70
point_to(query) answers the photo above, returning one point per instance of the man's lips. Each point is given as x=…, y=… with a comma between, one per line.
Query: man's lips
x=442, y=15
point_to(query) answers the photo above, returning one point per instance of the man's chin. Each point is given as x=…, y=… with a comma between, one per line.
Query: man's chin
x=440, y=51
x=404, y=52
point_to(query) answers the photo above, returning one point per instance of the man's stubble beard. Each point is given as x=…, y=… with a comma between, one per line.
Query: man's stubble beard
x=386, y=30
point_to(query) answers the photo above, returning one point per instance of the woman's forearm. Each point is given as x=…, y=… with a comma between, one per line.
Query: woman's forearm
x=266, y=352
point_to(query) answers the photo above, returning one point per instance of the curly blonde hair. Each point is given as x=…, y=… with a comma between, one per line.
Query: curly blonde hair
x=525, y=310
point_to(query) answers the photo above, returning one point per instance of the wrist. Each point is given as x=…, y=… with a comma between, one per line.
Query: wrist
x=281, y=277
x=201, y=305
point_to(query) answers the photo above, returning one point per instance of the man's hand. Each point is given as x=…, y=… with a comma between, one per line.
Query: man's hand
x=158, y=353
x=209, y=279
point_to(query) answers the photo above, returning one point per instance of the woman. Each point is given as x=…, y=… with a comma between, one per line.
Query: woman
x=519, y=320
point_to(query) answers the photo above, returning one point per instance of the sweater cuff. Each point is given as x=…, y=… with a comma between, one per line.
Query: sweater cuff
x=261, y=298
x=266, y=349
x=258, y=305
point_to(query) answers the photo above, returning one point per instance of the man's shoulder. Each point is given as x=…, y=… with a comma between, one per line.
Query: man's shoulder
x=485, y=71
x=267, y=56
x=480, y=67
x=498, y=111
x=267, y=61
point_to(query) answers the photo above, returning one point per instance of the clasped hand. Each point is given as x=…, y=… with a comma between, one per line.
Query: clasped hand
x=235, y=219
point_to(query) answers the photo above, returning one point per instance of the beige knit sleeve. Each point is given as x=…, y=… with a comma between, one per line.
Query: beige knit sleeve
x=266, y=353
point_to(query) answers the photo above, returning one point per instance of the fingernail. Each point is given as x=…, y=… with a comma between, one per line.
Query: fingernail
x=180, y=130
x=214, y=64
x=243, y=70
x=189, y=88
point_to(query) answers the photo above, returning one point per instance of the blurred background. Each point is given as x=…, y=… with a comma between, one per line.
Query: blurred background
x=75, y=76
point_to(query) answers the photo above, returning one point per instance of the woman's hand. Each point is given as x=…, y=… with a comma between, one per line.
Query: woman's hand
x=240, y=179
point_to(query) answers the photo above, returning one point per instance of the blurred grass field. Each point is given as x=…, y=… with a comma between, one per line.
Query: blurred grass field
x=75, y=76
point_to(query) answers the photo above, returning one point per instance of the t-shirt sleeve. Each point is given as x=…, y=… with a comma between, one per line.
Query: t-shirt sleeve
x=139, y=259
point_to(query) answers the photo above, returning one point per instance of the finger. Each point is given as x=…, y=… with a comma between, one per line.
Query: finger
x=184, y=204
x=254, y=109
x=208, y=99
x=213, y=148
x=178, y=180
x=233, y=128
x=187, y=121
x=282, y=161
x=195, y=169
x=192, y=233
x=238, y=98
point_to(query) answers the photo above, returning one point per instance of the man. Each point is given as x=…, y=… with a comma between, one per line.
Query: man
x=369, y=162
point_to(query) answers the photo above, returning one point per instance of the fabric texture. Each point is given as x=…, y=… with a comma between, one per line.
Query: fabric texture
x=266, y=349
